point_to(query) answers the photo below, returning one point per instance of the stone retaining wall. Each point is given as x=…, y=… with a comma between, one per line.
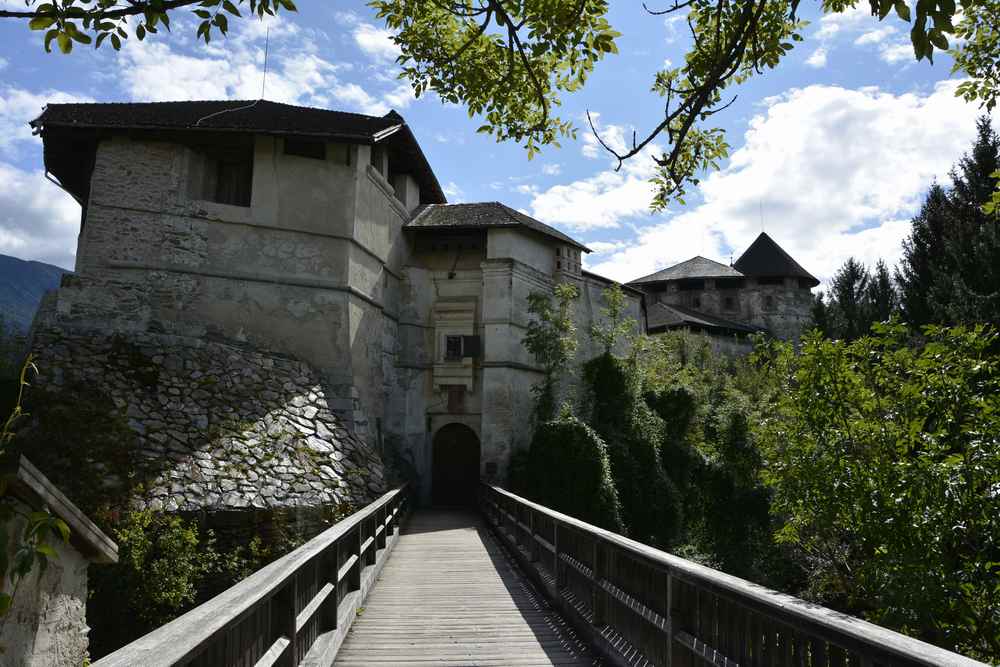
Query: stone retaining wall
x=223, y=426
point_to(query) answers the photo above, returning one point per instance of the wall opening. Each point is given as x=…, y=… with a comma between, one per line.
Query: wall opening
x=455, y=468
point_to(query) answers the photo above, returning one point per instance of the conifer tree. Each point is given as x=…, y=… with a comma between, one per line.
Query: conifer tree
x=923, y=258
x=950, y=271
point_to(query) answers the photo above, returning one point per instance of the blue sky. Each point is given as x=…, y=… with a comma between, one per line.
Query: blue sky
x=831, y=153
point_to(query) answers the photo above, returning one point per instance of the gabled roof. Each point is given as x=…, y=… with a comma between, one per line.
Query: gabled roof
x=663, y=316
x=482, y=215
x=696, y=267
x=234, y=115
x=765, y=258
x=69, y=131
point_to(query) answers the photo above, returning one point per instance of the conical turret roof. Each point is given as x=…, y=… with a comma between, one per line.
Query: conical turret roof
x=766, y=259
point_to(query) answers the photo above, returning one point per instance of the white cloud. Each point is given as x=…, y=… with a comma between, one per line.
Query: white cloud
x=612, y=135
x=896, y=53
x=875, y=36
x=37, y=220
x=453, y=192
x=673, y=24
x=849, y=20
x=818, y=58
x=601, y=200
x=18, y=107
x=3, y=63
x=375, y=42
x=604, y=247
x=297, y=74
x=836, y=172
x=551, y=169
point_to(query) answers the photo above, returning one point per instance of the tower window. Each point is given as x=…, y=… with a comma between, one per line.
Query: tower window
x=729, y=303
x=696, y=302
x=769, y=302
x=453, y=348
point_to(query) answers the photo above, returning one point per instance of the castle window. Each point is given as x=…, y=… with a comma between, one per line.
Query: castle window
x=457, y=347
x=306, y=148
x=234, y=179
x=770, y=281
x=453, y=348
x=696, y=302
x=691, y=284
x=729, y=303
x=769, y=302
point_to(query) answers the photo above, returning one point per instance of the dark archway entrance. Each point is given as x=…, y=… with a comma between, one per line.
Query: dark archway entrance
x=455, y=470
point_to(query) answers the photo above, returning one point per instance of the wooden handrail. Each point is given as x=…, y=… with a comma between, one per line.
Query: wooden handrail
x=294, y=611
x=640, y=605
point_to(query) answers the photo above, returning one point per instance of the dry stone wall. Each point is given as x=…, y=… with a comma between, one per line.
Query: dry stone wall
x=224, y=426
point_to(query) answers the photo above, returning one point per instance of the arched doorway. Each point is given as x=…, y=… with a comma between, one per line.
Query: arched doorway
x=455, y=469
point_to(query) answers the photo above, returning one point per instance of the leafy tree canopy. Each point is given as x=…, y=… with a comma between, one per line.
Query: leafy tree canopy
x=511, y=60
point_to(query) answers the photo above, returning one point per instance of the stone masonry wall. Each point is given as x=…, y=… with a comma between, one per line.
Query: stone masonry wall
x=224, y=426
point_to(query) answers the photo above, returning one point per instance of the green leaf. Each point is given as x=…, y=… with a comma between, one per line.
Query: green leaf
x=46, y=550
x=60, y=528
x=64, y=42
x=41, y=22
x=902, y=10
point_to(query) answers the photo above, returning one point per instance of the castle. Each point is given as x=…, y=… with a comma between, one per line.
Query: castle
x=278, y=297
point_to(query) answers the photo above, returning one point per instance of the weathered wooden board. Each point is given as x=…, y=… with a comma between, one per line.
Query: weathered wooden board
x=450, y=596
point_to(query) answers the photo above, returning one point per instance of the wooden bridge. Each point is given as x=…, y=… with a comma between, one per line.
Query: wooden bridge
x=512, y=584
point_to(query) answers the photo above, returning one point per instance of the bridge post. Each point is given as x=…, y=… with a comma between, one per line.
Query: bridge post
x=381, y=531
x=669, y=629
x=533, y=547
x=557, y=564
x=596, y=575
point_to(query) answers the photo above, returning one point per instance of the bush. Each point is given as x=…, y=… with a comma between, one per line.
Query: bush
x=162, y=562
x=651, y=506
x=567, y=469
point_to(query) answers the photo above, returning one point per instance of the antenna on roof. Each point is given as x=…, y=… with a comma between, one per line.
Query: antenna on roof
x=263, y=85
x=760, y=209
x=267, y=44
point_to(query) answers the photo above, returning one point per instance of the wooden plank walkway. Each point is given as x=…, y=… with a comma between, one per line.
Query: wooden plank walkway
x=449, y=595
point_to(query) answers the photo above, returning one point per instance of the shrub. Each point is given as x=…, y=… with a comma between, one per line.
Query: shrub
x=567, y=469
x=651, y=507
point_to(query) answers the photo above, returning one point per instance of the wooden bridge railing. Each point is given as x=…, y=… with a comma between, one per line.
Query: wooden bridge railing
x=642, y=606
x=292, y=612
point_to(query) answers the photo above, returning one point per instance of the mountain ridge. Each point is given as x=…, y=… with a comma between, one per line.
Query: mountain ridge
x=23, y=283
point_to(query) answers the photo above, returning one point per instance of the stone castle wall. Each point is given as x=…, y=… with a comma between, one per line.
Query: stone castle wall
x=224, y=426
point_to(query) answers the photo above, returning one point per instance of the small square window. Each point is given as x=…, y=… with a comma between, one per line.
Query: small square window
x=696, y=302
x=453, y=348
x=769, y=302
x=729, y=303
x=233, y=181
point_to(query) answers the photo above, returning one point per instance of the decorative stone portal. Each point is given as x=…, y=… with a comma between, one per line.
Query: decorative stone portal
x=455, y=469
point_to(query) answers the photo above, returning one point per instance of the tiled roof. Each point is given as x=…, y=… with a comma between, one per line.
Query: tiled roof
x=663, y=316
x=64, y=128
x=696, y=267
x=482, y=216
x=257, y=116
x=764, y=257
